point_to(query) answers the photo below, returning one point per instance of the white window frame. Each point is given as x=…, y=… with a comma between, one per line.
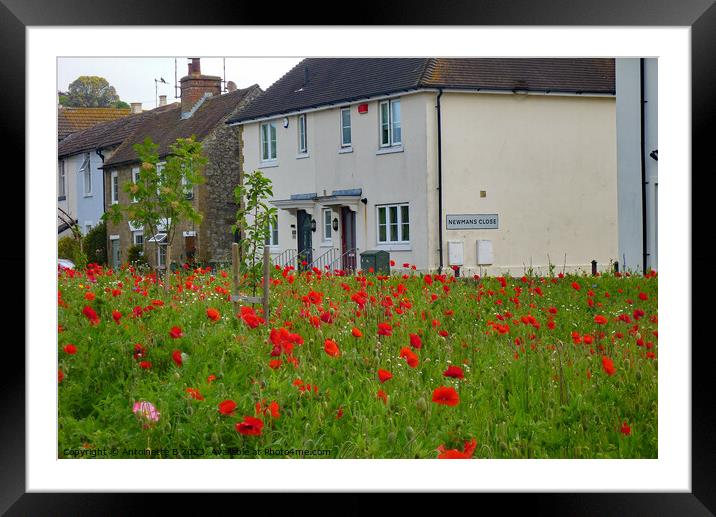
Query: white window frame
x=270, y=148
x=114, y=187
x=392, y=141
x=326, y=226
x=62, y=188
x=159, y=168
x=86, y=170
x=301, y=127
x=88, y=226
x=135, y=179
x=161, y=251
x=389, y=222
x=273, y=233
x=349, y=143
x=135, y=234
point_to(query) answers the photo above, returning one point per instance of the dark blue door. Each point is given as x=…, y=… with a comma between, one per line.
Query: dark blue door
x=303, y=223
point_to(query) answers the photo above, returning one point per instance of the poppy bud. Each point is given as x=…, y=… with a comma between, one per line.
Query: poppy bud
x=638, y=375
x=409, y=433
x=421, y=405
x=391, y=437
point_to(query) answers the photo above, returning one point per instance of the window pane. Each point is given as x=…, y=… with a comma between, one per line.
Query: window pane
x=264, y=142
x=395, y=120
x=274, y=234
x=346, y=127
x=384, y=124
x=381, y=215
x=405, y=223
x=346, y=136
x=382, y=237
x=272, y=129
x=393, y=216
x=326, y=224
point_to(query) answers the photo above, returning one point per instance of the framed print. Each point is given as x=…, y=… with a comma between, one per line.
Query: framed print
x=45, y=471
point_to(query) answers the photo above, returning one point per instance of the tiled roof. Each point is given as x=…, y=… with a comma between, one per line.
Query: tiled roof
x=71, y=120
x=105, y=134
x=317, y=82
x=164, y=127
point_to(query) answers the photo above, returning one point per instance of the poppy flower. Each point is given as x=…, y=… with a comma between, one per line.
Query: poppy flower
x=176, y=332
x=643, y=296
x=116, y=316
x=91, y=315
x=625, y=429
x=409, y=356
x=89, y=296
x=576, y=286
x=213, y=314
x=60, y=376
x=274, y=364
x=70, y=349
x=454, y=372
x=385, y=329
x=211, y=378
x=600, y=320
x=145, y=365
x=383, y=396
x=194, y=393
x=176, y=357
x=446, y=395
x=608, y=365
x=443, y=333
x=227, y=407
x=415, y=341
x=331, y=348
x=384, y=375
x=455, y=454
x=356, y=332
x=271, y=409
x=339, y=413
x=250, y=426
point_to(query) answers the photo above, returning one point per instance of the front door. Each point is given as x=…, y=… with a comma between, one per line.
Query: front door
x=190, y=248
x=303, y=227
x=114, y=252
x=348, y=238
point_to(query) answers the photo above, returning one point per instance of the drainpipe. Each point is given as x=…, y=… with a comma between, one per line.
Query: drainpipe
x=104, y=201
x=643, y=165
x=440, y=181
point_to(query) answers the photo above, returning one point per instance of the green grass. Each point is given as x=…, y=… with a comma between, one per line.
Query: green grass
x=528, y=400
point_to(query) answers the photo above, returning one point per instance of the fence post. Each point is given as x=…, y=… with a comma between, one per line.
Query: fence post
x=168, y=265
x=594, y=267
x=267, y=277
x=235, y=277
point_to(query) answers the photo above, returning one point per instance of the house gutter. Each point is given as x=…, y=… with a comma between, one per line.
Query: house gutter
x=643, y=165
x=440, y=181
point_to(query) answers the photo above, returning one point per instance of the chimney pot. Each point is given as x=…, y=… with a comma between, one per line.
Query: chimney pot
x=195, y=66
x=162, y=100
x=136, y=107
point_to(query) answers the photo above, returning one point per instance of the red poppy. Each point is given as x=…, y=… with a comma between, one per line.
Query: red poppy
x=274, y=364
x=446, y=395
x=443, y=333
x=211, y=378
x=70, y=349
x=339, y=413
x=383, y=396
x=331, y=348
x=643, y=296
x=116, y=316
x=356, y=332
x=625, y=430
x=409, y=356
x=227, y=407
x=385, y=329
x=91, y=315
x=194, y=393
x=384, y=375
x=89, y=296
x=269, y=409
x=415, y=341
x=176, y=357
x=454, y=372
x=213, y=314
x=608, y=365
x=250, y=426
x=600, y=320
x=176, y=333
x=60, y=376
x=455, y=454
x=146, y=365
x=576, y=286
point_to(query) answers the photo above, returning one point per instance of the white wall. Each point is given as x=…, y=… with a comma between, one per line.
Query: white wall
x=547, y=164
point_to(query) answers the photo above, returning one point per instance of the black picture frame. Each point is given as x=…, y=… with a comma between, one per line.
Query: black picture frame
x=700, y=15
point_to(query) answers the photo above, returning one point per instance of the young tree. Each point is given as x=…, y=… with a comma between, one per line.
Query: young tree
x=252, y=220
x=160, y=195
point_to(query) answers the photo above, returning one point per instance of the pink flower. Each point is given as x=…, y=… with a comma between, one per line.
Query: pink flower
x=146, y=410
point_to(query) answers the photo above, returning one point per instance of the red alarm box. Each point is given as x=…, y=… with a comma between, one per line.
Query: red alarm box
x=363, y=108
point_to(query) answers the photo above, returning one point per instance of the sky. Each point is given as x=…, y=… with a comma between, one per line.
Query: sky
x=133, y=77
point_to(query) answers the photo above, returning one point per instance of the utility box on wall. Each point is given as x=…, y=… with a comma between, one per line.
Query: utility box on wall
x=456, y=253
x=484, y=253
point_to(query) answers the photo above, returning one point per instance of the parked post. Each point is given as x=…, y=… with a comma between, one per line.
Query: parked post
x=594, y=267
x=616, y=267
x=235, y=277
x=267, y=277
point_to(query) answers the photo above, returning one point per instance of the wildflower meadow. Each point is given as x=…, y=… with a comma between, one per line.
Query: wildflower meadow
x=408, y=365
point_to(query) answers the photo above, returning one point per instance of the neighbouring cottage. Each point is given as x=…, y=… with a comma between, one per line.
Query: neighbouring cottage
x=74, y=119
x=489, y=165
x=202, y=113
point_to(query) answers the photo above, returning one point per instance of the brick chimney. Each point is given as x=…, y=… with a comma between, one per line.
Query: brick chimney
x=162, y=100
x=136, y=107
x=194, y=86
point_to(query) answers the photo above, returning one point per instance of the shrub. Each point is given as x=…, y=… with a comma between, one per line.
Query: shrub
x=95, y=244
x=136, y=255
x=67, y=247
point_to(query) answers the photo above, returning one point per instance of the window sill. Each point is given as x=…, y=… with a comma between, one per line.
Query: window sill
x=345, y=150
x=61, y=198
x=301, y=156
x=326, y=244
x=390, y=150
x=268, y=164
x=394, y=247
x=87, y=195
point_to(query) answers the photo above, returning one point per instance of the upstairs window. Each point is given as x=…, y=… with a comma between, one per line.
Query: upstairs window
x=86, y=172
x=114, y=187
x=268, y=141
x=390, y=128
x=346, y=140
x=135, y=180
x=62, y=186
x=302, y=138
